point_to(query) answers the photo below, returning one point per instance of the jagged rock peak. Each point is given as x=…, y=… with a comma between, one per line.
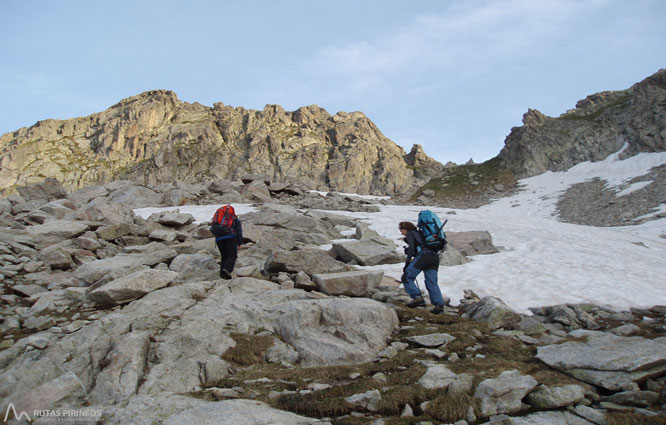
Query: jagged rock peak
x=154, y=138
x=422, y=164
x=416, y=155
x=533, y=117
x=601, y=124
x=164, y=96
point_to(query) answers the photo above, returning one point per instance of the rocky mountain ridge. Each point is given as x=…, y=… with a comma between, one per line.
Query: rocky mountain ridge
x=155, y=138
x=601, y=124
x=629, y=121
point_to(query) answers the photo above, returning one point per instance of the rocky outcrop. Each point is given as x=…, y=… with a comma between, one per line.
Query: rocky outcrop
x=607, y=360
x=504, y=394
x=472, y=243
x=601, y=124
x=155, y=138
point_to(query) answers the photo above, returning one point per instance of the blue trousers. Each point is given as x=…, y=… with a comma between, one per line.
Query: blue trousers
x=430, y=281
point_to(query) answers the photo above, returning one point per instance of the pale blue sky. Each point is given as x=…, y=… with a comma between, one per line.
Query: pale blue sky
x=453, y=76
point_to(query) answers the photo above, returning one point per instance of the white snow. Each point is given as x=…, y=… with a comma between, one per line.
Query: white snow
x=542, y=261
x=201, y=213
x=634, y=187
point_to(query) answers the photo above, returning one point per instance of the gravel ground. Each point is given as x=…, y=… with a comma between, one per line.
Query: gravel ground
x=591, y=203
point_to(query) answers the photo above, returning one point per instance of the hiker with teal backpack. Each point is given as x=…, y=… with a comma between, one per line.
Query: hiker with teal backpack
x=423, y=247
x=228, y=232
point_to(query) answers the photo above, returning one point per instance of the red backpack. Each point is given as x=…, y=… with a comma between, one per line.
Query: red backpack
x=223, y=221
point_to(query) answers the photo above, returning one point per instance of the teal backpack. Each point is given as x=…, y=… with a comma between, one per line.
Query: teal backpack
x=432, y=230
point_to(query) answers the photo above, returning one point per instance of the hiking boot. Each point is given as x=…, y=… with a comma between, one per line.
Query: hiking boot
x=438, y=309
x=416, y=302
x=225, y=274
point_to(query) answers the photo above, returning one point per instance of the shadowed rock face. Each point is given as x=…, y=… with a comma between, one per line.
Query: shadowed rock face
x=600, y=124
x=154, y=137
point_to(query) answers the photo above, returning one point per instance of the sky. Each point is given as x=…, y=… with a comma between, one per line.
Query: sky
x=453, y=76
x=542, y=261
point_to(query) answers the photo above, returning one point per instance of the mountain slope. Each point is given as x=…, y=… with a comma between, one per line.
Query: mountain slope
x=155, y=138
x=600, y=125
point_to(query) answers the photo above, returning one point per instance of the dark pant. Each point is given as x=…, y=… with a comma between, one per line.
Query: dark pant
x=229, y=252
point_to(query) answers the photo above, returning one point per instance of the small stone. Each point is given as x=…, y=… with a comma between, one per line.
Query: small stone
x=37, y=341
x=380, y=377
x=435, y=353
x=626, y=330
x=407, y=412
x=39, y=323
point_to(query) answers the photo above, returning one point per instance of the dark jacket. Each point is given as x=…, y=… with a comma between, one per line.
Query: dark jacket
x=414, y=241
x=236, y=232
x=429, y=259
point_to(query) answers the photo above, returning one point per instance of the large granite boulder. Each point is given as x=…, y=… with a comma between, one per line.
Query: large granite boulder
x=136, y=197
x=55, y=231
x=335, y=331
x=285, y=217
x=504, y=394
x=354, y=283
x=182, y=409
x=122, y=264
x=46, y=191
x=102, y=210
x=171, y=218
x=472, y=243
x=494, y=312
x=256, y=191
x=310, y=261
x=606, y=360
x=366, y=253
x=555, y=397
x=131, y=287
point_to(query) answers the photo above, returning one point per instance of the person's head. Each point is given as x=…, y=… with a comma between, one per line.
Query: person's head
x=406, y=226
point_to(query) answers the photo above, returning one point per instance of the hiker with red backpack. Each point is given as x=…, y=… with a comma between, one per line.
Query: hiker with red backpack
x=423, y=246
x=228, y=232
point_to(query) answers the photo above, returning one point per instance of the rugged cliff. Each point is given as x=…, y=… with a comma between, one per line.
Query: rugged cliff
x=600, y=124
x=155, y=138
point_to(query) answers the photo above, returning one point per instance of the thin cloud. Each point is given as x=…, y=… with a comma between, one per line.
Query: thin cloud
x=461, y=39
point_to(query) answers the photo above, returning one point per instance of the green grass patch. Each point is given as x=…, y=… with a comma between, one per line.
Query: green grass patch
x=621, y=101
x=395, y=398
x=449, y=409
x=635, y=419
x=464, y=182
x=249, y=349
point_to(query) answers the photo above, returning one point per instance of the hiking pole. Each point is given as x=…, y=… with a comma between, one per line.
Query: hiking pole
x=416, y=282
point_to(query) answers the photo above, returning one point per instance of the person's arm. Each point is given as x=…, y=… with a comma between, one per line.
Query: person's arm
x=411, y=245
x=239, y=231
